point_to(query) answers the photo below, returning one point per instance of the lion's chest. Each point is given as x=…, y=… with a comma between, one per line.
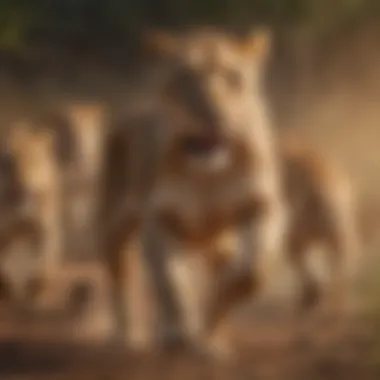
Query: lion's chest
x=198, y=215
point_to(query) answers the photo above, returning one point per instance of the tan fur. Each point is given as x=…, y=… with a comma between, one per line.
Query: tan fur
x=87, y=122
x=323, y=212
x=57, y=186
x=33, y=153
x=210, y=93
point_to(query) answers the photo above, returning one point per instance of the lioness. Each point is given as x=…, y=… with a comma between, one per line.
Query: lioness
x=38, y=171
x=323, y=212
x=203, y=165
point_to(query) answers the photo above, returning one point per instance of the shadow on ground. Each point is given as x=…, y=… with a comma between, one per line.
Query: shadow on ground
x=36, y=349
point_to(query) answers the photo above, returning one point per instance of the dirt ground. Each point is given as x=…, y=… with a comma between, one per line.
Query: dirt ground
x=32, y=348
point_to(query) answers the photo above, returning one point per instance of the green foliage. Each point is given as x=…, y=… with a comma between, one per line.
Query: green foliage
x=85, y=19
x=16, y=18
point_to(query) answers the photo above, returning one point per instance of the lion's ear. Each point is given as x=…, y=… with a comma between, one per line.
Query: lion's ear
x=160, y=44
x=257, y=44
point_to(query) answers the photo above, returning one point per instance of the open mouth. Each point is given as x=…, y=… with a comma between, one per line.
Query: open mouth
x=206, y=152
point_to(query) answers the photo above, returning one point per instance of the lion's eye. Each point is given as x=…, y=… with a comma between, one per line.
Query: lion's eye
x=234, y=79
x=184, y=81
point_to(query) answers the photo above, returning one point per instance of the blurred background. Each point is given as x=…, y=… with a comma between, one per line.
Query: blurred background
x=323, y=75
x=323, y=81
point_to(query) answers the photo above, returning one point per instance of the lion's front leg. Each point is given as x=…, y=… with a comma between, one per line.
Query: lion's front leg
x=259, y=245
x=236, y=279
x=181, y=278
x=130, y=283
x=49, y=218
x=157, y=251
x=190, y=273
x=137, y=299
